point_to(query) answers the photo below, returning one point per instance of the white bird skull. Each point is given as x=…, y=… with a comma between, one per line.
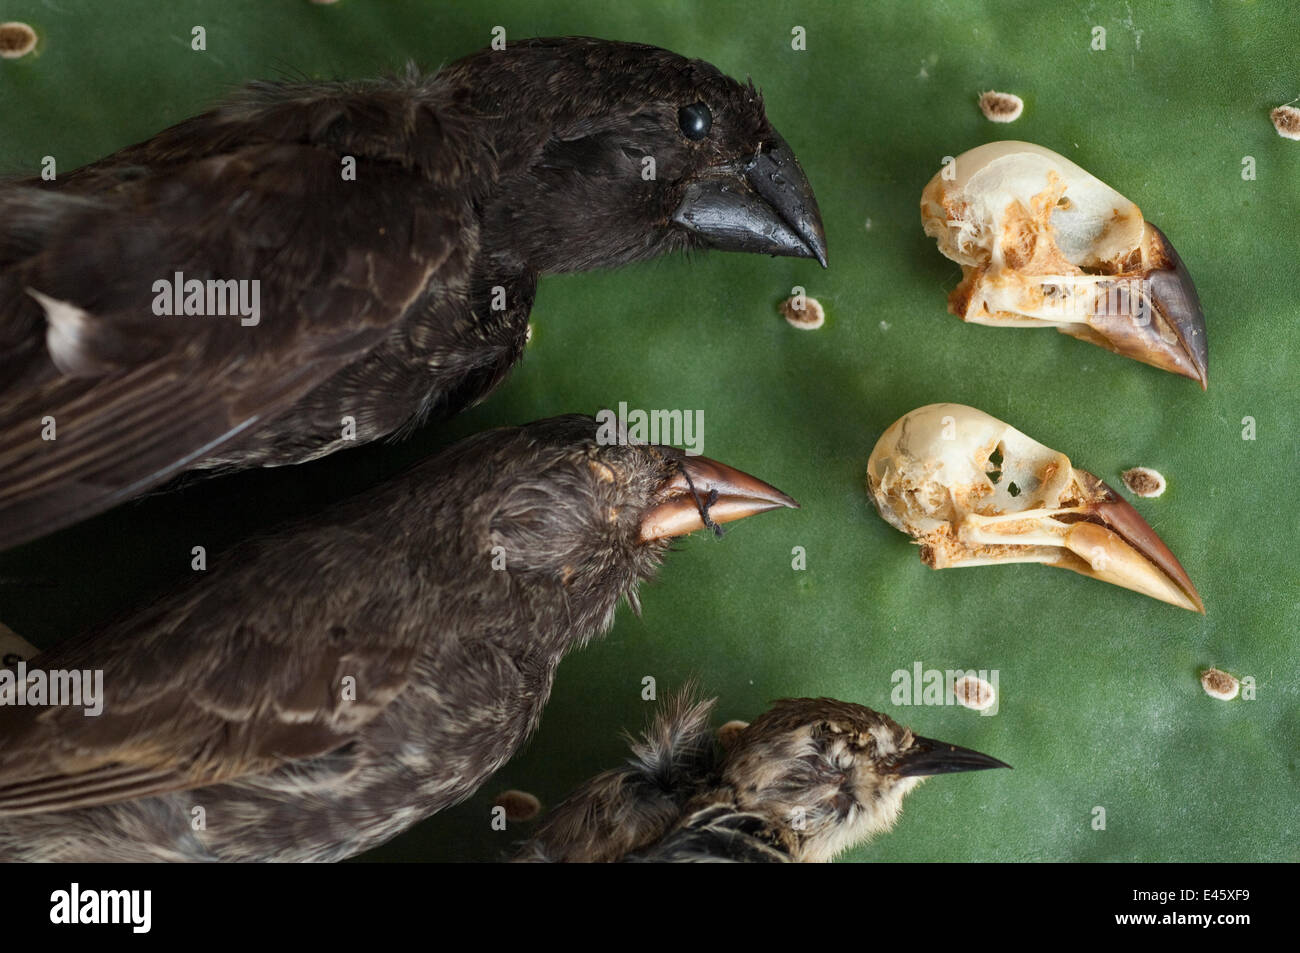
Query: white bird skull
x=974, y=491
x=1043, y=243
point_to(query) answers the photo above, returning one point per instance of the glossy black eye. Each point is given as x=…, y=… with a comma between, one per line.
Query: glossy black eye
x=695, y=121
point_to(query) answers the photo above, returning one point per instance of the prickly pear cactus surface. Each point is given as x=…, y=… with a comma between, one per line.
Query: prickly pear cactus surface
x=1119, y=753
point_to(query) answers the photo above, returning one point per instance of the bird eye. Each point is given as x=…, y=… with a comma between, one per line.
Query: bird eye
x=695, y=121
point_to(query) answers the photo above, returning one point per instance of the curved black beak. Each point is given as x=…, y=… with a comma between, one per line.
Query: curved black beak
x=927, y=757
x=766, y=206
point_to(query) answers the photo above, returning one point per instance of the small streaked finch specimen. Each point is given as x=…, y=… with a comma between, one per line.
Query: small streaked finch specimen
x=806, y=781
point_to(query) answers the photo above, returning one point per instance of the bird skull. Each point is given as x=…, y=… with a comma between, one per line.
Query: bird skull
x=974, y=491
x=1043, y=243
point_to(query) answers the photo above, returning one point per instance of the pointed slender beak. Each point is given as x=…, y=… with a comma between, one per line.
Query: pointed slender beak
x=1153, y=316
x=765, y=206
x=1115, y=544
x=927, y=757
x=679, y=510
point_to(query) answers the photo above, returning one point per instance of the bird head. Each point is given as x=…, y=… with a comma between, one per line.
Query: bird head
x=580, y=512
x=616, y=152
x=830, y=775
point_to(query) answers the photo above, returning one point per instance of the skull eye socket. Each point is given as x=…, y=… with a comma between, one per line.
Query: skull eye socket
x=994, y=471
x=695, y=121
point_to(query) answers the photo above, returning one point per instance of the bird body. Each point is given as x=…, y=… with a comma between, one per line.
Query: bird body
x=393, y=230
x=320, y=689
x=809, y=779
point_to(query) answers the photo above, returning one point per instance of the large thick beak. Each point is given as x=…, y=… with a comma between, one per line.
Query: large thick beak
x=1153, y=316
x=764, y=206
x=684, y=503
x=927, y=757
x=1115, y=544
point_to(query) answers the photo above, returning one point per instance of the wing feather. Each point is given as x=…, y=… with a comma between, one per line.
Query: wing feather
x=254, y=191
x=195, y=691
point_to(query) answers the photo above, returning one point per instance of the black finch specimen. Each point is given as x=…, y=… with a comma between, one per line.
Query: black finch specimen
x=319, y=690
x=811, y=778
x=395, y=231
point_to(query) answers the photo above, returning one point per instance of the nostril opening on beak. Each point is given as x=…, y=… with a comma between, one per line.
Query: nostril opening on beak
x=703, y=505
